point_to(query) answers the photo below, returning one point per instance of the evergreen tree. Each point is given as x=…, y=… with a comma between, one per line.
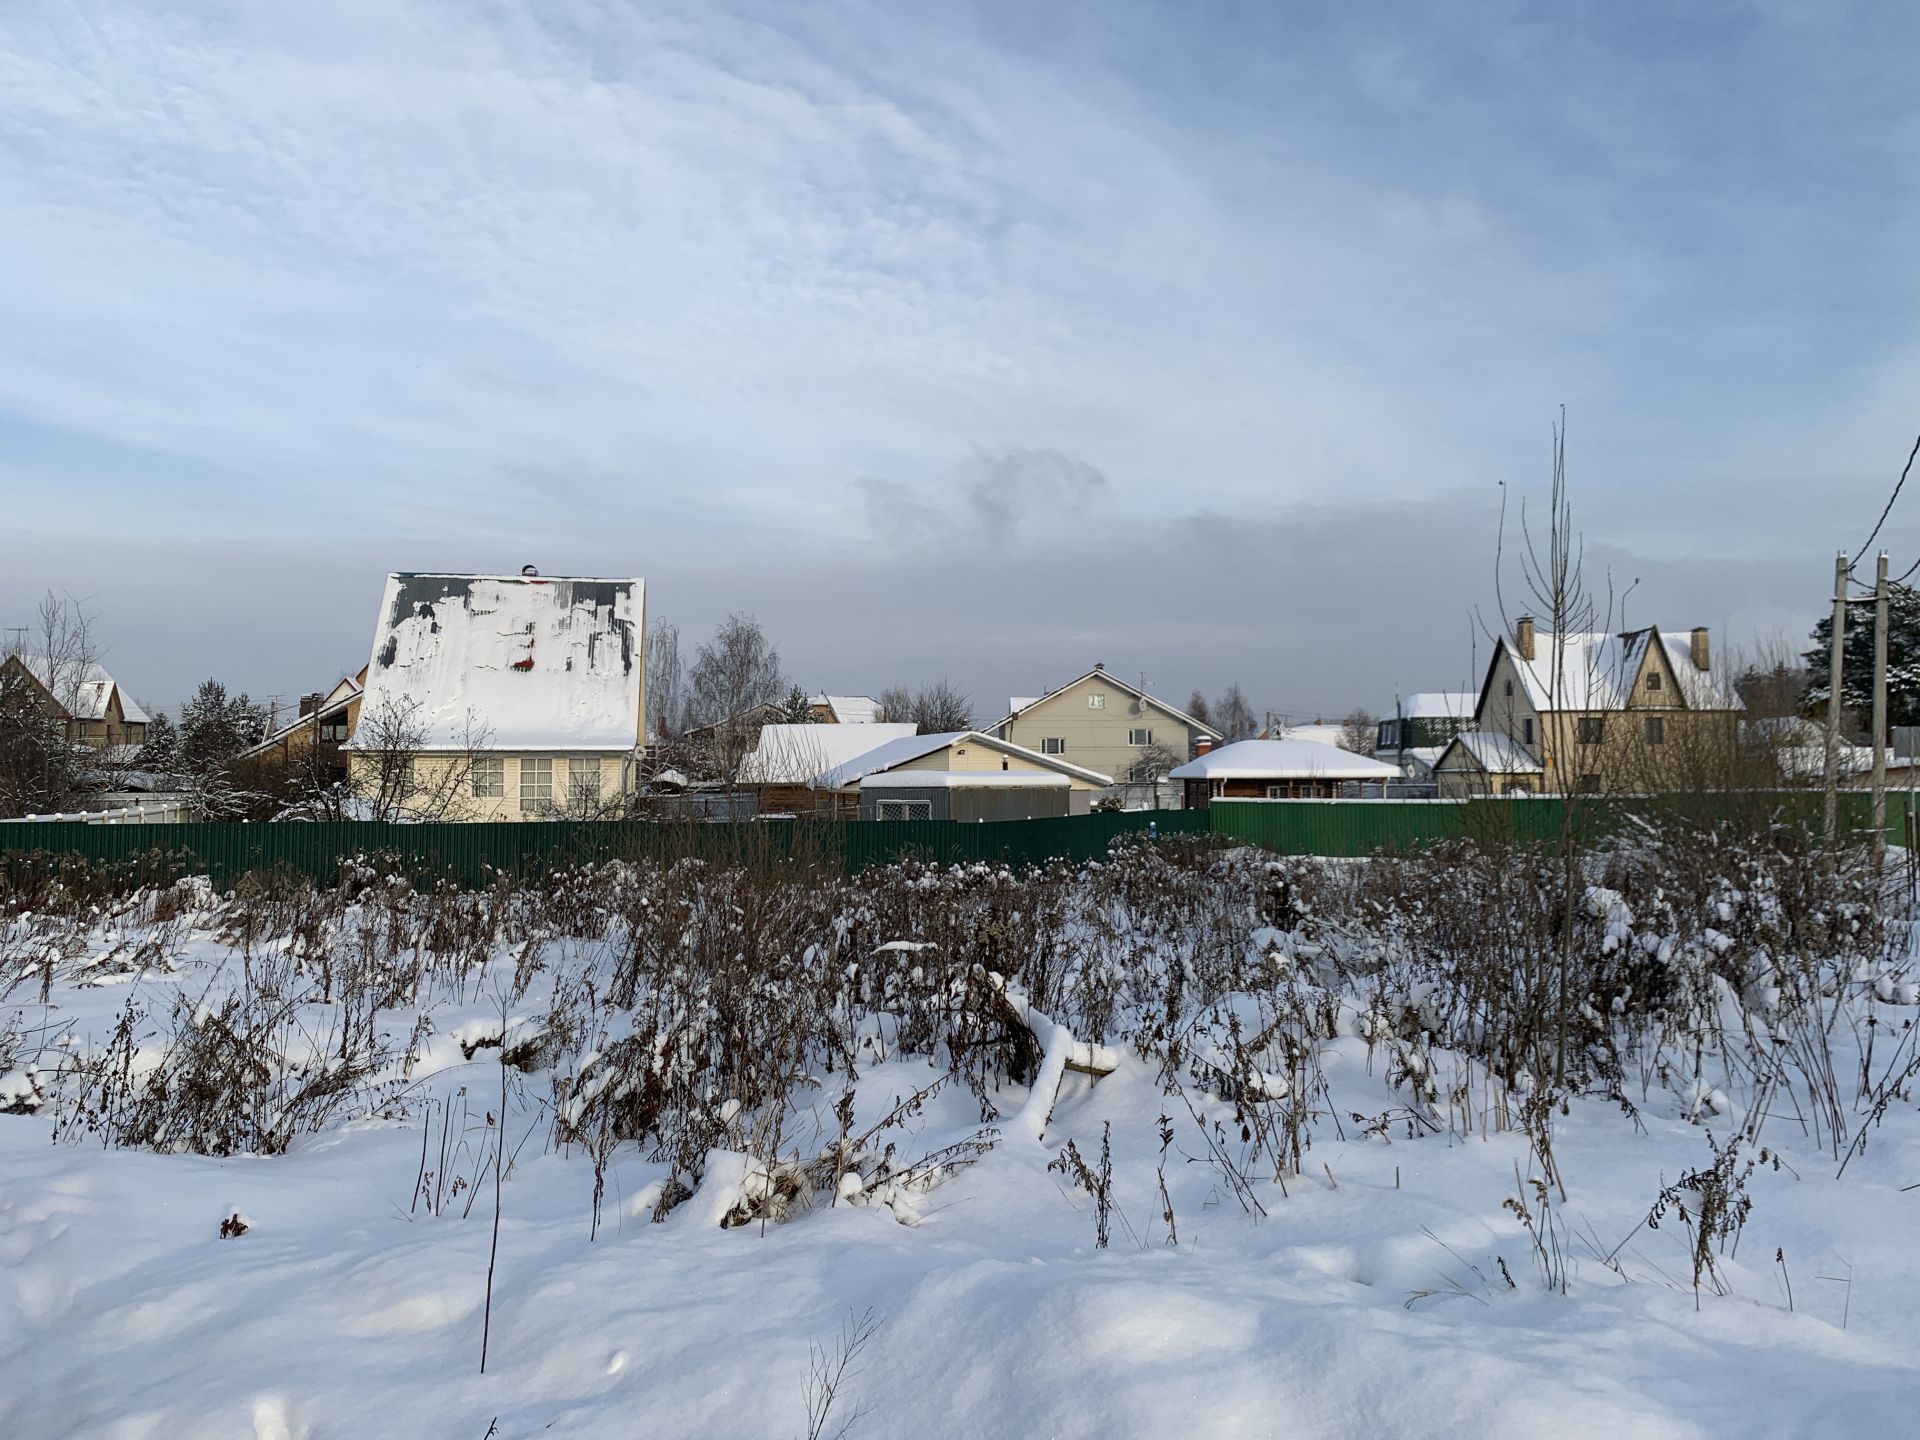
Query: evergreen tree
x=798, y=707
x=160, y=752
x=1856, y=658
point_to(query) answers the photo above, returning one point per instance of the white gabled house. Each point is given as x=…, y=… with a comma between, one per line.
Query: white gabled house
x=508, y=697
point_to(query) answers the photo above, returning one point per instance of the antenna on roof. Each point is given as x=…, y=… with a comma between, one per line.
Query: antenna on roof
x=16, y=640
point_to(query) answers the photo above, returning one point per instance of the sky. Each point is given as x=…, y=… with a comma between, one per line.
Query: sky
x=973, y=340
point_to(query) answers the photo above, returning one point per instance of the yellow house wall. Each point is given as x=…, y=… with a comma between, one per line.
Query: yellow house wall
x=616, y=778
x=1097, y=739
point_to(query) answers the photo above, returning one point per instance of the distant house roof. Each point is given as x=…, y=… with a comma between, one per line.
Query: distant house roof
x=789, y=754
x=850, y=709
x=1492, y=752
x=1440, y=705
x=914, y=747
x=1317, y=732
x=1288, y=759
x=1022, y=702
x=538, y=662
x=93, y=689
x=342, y=694
x=1595, y=671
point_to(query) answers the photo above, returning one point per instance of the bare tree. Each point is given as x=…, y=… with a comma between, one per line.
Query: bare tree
x=666, y=682
x=1153, y=763
x=1233, y=717
x=734, y=673
x=403, y=777
x=1358, y=732
x=940, y=707
x=64, y=646
x=896, y=704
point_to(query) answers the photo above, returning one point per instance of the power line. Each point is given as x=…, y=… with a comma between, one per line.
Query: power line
x=1888, y=510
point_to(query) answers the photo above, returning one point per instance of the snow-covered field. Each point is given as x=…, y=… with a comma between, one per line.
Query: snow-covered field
x=1348, y=1249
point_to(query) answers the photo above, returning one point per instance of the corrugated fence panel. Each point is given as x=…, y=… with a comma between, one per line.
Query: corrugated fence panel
x=473, y=855
x=1366, y=827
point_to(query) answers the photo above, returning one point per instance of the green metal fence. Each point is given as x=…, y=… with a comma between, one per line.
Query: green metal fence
x=474, y=854
x=1366, y=827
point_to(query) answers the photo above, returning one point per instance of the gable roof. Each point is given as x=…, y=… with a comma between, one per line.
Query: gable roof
x=334, y=699
x=1283, y=760
x=1492, y=752
x=850, y=709
x=1020, y=703
x=1597, y=671
x=914, y=747
x=541, y=662
x=1440, y=705
x=788, y=754
x=93, y=691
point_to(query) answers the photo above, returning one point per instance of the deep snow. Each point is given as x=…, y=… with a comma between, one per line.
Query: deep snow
x=1368, y=1299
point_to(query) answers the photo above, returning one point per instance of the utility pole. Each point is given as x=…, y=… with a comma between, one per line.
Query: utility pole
x=1880, y=712
x=1833, y=700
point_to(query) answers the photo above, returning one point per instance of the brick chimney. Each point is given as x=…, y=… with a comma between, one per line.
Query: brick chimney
x=1523, y=637
x=1202, y=746
x=310, y=703
x=1702, y=655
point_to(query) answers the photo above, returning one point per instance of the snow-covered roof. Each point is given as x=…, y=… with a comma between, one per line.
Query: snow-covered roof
x=92, y=691
x=1283, y=760
x=966, y=780
x=540, y=662
x=1440, y=705
x=1017, y=703
x=789, y=754
x=850, y=709
x=1495, y=753
x=341, y=694
x=1596, y=671
x=1316, y=732
x=914, y=747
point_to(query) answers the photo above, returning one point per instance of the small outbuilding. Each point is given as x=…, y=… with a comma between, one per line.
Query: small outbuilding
x=1485, y=762
x=1279, y=770
x=962, y=775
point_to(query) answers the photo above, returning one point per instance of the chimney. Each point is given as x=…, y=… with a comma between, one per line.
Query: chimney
x=1702, y=655
x=1099, y=664
x=1523, y=637
x=1202, y=745
x=309, y=703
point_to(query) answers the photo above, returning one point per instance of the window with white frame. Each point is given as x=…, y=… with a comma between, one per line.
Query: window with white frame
x=1053, y=745
x=536, y=785
x=583, y=780
x=1276, y=792
x=1137, y=736
x=489, y=778
x=903, y=809
x=1096, y=702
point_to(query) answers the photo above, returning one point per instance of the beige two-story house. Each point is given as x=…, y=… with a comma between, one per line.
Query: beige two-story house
x=88, y=702
x=502, y=697
x=1101, y=723
x=1642, y=710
